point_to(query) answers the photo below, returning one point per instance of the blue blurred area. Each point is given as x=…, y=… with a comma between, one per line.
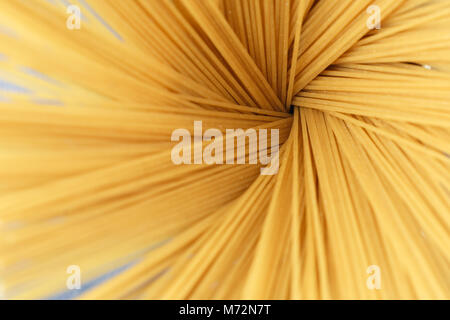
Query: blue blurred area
x=39, y=75
x=99, y=18
x=73, y=294
x=12, y=87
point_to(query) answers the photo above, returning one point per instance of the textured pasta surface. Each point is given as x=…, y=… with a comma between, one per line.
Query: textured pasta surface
x=87, y=180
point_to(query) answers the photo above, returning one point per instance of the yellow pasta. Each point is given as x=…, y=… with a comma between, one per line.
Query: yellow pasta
x=359, y=208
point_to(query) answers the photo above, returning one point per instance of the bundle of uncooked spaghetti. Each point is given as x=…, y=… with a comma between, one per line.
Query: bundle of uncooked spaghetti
x=358, y=210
